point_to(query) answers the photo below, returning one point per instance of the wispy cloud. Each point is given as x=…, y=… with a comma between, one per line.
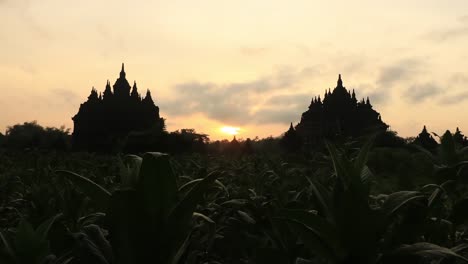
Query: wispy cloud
x=459, y=78
x=400, y=71
x=420, y=92
x=394, y=75
x=240, y=102
x=454, y=98
x=65, y=96
x=451, y=32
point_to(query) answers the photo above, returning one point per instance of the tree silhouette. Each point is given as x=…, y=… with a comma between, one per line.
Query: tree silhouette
x=31, y=135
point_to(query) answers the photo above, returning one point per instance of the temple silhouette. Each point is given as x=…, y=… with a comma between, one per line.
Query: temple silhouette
x=106, y=119
x=426, y=140
x=339, y=114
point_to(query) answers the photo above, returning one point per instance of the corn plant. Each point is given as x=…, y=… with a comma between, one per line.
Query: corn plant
x=450, y=159
x=345, y=228
x=148, y=218
x=28, y=245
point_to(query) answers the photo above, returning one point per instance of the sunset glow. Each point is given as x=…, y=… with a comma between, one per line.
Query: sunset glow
x=257, y=67
x=230, y=130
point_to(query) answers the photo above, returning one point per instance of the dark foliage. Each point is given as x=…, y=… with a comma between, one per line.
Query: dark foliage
x=31, y=135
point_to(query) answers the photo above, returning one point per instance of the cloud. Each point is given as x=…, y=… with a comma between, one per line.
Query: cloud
x=393, y=75
x=282, y=109
x=289, y=99
x=65, y=96
x=240, y=103
x=22, y=10
x=401, y=70
x=449, y=33
x=459, y=78
x=277, y=116
x=454, y=99
x=379, y=97
x=463, y=19
x=21, y=4
x=420, y=92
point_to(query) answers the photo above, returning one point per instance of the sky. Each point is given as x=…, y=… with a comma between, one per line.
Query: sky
x=252, y=64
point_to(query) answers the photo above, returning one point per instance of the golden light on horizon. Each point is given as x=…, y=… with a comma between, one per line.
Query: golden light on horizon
x=230, y=130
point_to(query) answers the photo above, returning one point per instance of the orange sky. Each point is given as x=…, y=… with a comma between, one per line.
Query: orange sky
x=251, y=64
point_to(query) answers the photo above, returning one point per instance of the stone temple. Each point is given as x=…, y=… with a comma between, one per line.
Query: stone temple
x=106, y=119
x=338, y=114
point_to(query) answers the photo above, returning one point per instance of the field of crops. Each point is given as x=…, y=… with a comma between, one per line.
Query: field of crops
x=350, y=204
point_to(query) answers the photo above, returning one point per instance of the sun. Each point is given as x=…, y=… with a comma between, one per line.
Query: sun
x=230, y=130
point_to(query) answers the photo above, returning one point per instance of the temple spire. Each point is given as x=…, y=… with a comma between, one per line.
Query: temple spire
x=135, y=90
x=107, y=92
x=339, y=82
x=122, y=72
x=148, y=97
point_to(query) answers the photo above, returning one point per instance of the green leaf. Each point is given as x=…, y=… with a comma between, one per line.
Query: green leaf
x=246, y=217
x=8, y=248
x=363, y=154
x=180, y=217
x=340, y=167
x=95, y=235
x=29, y=247
x=131, y=170
x=459, y=213
x=397, y=200
x=366, y=174
x=204, y=217
x=44, y=228
x=460, y=248
x=323, y=196
x=157, y=188
x=98, y=194
x=317, y=233
x=189, y=185
x=220, y=184
x=125, y=224
x=87, y=250
x=180, y=251
x=235, y=202
x=425, y=250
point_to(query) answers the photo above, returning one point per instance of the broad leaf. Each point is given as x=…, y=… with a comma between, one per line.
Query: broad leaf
x=397, y=200
x=98, y=194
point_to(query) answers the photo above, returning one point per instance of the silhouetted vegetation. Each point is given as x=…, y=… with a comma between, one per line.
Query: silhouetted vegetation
x=351, y=203
x=31, y=135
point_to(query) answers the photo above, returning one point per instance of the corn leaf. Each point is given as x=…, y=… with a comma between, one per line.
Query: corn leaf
x=98, y=194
